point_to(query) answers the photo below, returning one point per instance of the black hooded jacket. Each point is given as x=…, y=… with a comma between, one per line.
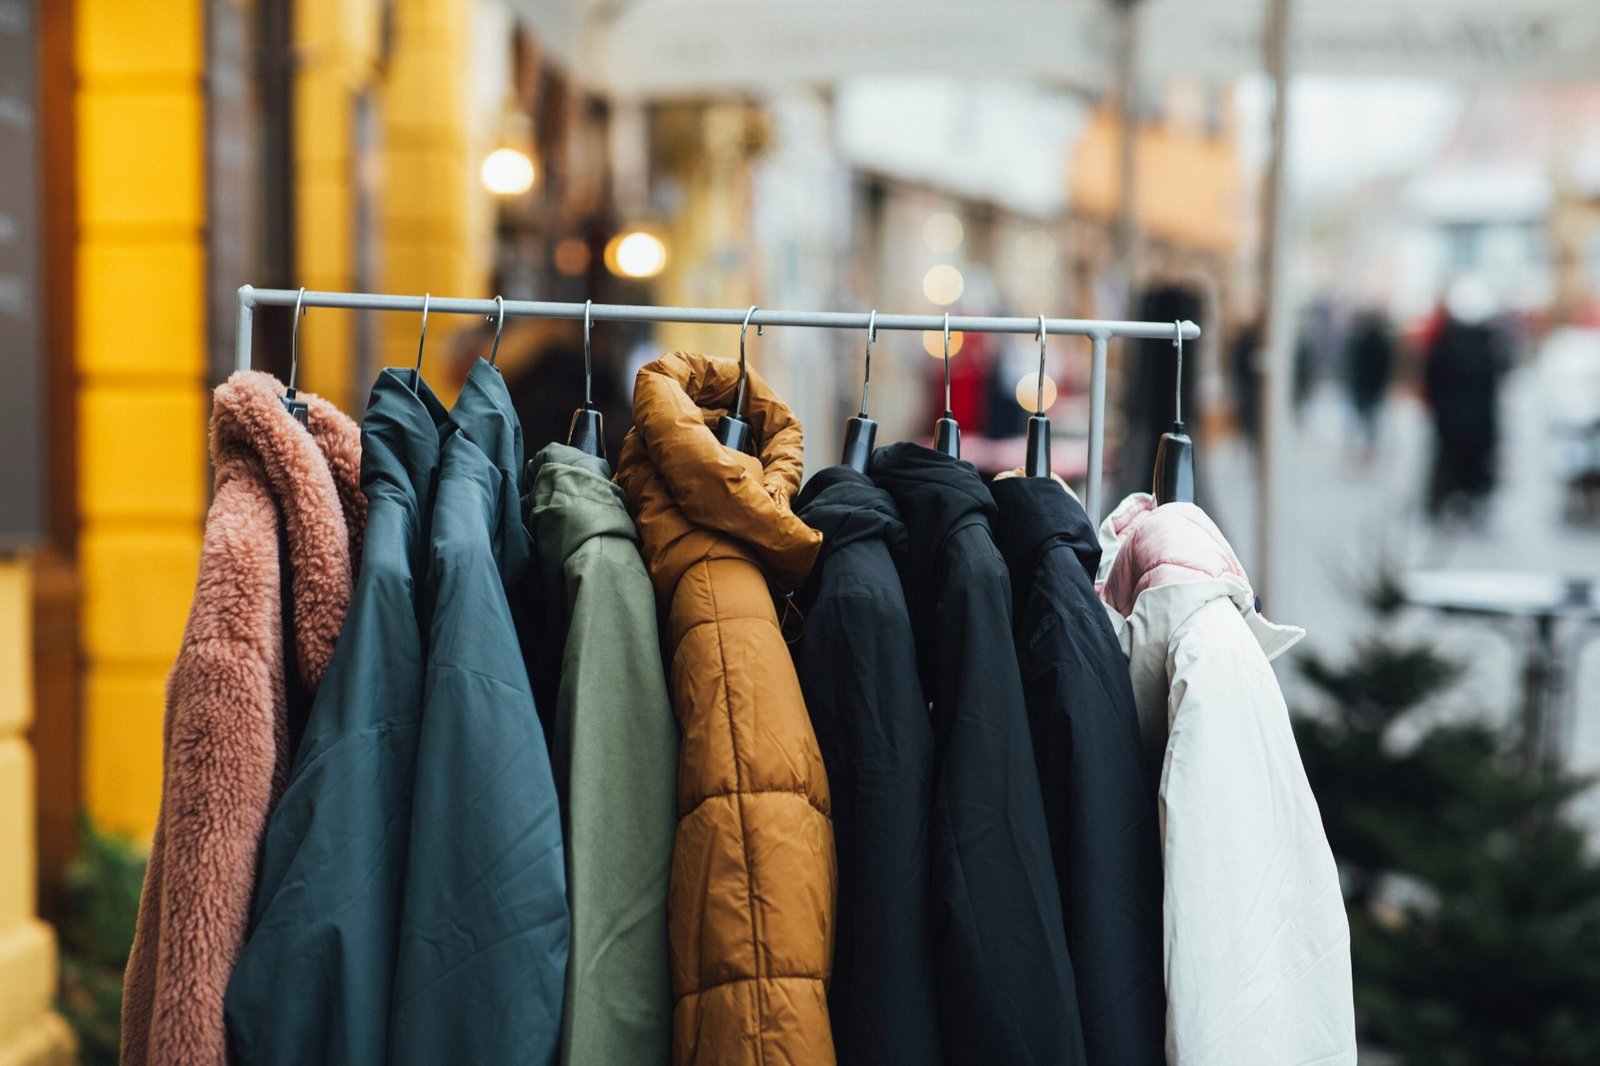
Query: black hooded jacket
x=1002, y=970
x=857, y=664
x=1098, y=801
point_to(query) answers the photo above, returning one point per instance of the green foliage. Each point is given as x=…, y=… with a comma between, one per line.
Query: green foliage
x=101, y=896
x=1474, y=899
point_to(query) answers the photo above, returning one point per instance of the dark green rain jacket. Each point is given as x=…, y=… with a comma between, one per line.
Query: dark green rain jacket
x=483, y=937
x=616, y=761
x=313, y=981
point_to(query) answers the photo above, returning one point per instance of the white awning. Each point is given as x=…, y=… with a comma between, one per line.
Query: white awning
x=654, y=48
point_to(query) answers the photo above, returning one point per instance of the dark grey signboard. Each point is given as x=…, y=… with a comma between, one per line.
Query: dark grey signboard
x=21, y=331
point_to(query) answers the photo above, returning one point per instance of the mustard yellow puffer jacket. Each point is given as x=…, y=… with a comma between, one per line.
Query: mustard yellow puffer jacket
x=750, y=909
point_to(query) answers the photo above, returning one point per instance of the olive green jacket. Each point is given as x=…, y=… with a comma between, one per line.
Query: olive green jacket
x=615, y=756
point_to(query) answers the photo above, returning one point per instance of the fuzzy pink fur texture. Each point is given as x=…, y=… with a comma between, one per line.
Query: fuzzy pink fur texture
x=225, y=738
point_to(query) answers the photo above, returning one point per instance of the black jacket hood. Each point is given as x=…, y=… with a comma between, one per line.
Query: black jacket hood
x=935, y=495
x=1041, y=515
x=845, y=506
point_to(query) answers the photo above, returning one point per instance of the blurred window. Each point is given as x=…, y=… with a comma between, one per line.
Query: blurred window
x=1461, y=244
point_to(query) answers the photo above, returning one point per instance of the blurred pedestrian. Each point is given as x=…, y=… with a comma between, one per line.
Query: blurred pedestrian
x=1369, y=366
x=1304, y=373
x=1462, y=386
x=1148, y=401
x=1247, y=379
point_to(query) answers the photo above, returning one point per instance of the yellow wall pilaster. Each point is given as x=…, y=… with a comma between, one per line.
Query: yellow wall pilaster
x=30, y=1034
x=337, y=43
x=141, y=402
x=429, y=241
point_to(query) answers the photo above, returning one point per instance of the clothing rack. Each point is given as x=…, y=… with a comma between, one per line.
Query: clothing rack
x=1099, y=332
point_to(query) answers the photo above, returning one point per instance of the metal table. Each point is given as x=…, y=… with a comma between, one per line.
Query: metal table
x=1548, y=606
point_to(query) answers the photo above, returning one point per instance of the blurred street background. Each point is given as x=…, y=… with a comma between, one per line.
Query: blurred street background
x=1383, y=214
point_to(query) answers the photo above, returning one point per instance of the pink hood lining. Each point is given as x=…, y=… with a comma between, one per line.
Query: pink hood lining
x=1180, y=556
x=1151, y=547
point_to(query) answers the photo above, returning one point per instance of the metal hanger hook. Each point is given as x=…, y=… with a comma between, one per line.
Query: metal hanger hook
x=866, y=378
x=294, y=339
x=1038, y=402
x=422, y=338
x=738, y=400
x=499, y=321
x=947, y=364
x=747, y=316
x=1177, y=394
x=588, y=365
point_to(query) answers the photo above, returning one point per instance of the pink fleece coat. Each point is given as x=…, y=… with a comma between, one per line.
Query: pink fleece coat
x=225, y=737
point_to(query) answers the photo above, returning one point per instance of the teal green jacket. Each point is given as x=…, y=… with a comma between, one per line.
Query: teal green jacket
x=616, y=760
x=482, y=955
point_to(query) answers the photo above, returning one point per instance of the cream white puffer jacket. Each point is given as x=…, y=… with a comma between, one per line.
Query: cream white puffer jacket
x=1257, y=943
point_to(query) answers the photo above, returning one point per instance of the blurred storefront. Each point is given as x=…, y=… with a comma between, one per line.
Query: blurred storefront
x=977, y=197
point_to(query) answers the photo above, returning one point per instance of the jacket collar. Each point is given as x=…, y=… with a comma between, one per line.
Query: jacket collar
x=253, y=437
x=937, y=496
x=676, y=401
x=400, y=438
x=845, y=506
x=1162, y=564
x=571, y=501
x=1035, y=515
x=483, y=414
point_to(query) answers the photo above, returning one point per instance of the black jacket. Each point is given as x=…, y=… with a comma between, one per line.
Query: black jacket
x=857, y=663
x=1099, y=803
x=1003, y=974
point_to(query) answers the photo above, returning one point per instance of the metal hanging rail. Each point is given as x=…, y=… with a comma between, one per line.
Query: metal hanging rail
x=1099, y=332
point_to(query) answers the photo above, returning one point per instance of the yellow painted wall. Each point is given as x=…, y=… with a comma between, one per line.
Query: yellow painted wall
x=337, y=44
x=429, y=241
x=30, y=1034
x=428, y=193
x=141, y=402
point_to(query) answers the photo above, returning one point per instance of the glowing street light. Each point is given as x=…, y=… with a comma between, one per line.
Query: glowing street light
x=508, y=172
x=637, y=252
